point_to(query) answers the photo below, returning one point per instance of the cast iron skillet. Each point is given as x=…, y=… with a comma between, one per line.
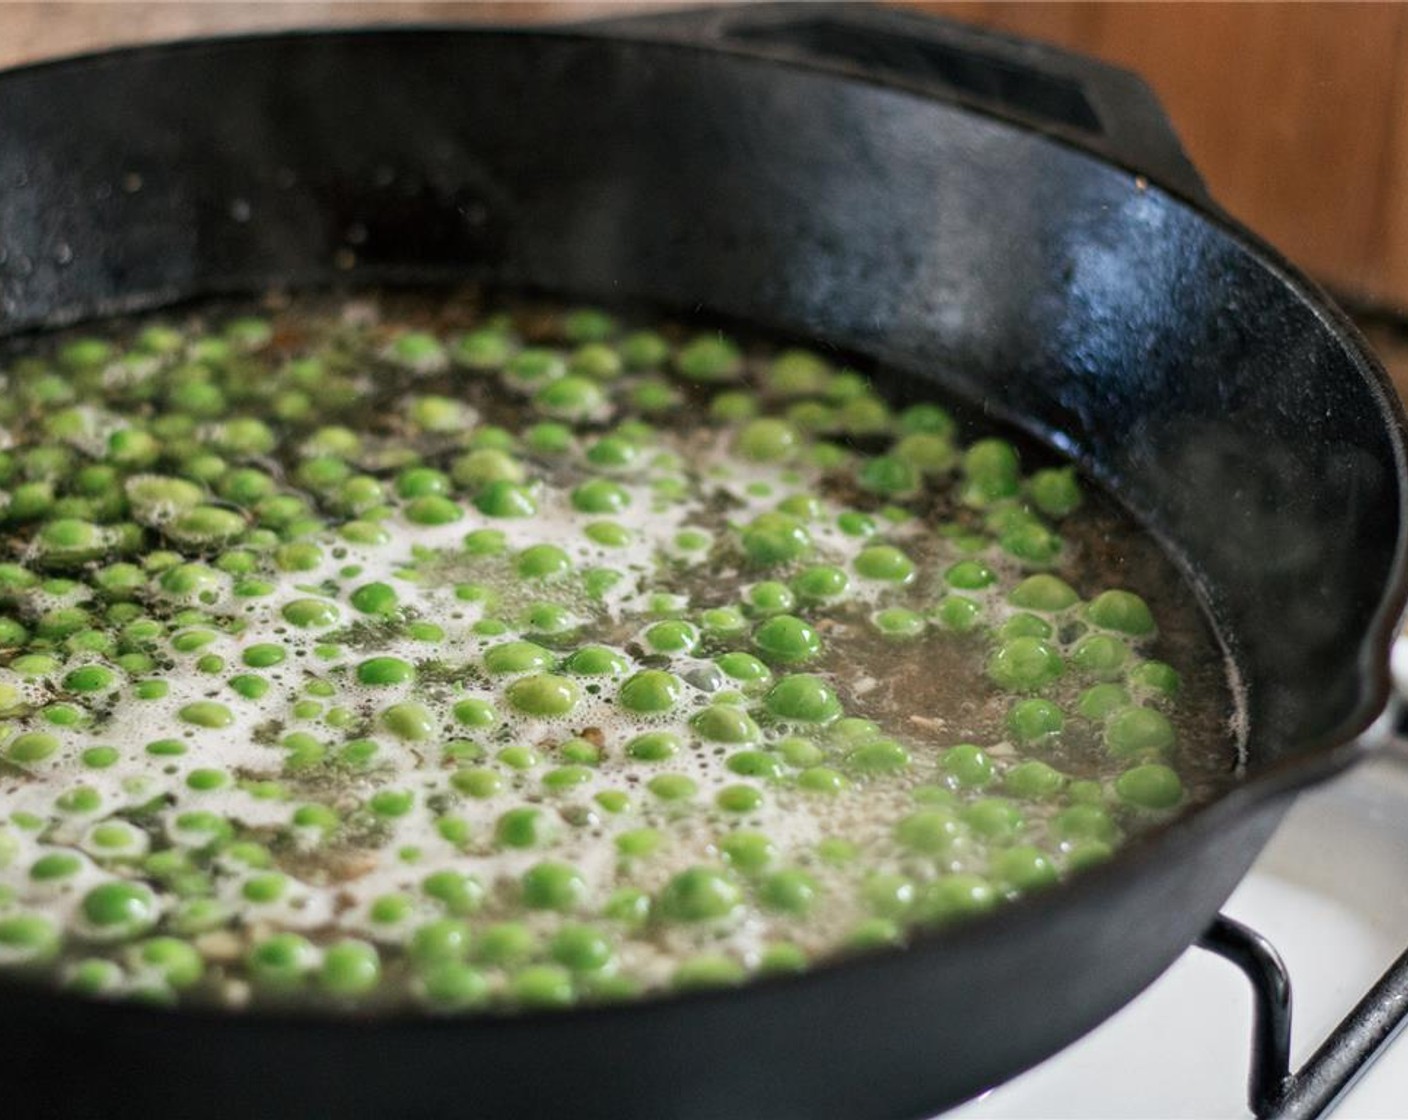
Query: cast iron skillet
x=1013, y=224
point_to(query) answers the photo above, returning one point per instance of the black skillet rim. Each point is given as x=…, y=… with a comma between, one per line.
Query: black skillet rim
x=1360, y=733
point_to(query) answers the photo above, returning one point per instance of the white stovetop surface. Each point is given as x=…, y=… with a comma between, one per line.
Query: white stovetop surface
x=1331, y=893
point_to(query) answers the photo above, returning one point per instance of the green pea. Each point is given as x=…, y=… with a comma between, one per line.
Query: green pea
x=1055, y=491
x=566, y=777
x=748, y=852
x=1151, y=786
x=1122, y=611
x=31, y=746
x=600, y=495
x=898, y=623
x=744, y=668
x=1033, y=779
x=803, y=697
x=265, y=888
x=878, y=756
x=755, y=764
x=543, y=694
x=653, y=746
x=1024, y=868
x=409, y=720
x=821, y=583
x=651, y=690
x=581, y=752
x=596, y=661
x=787, y=639
x=1025, y=625
x=553, y=886
x=1100, y=655
x=739, y=798
x=205, y=779
x=721, y=723
x=1031, y=721
x=775, y=538
x=477, y=782
x=100, y=758
x=432, y=509
x=672, y=787
x=350, y=969
x=310, y=613
x=55, y=866
x=637, y=843
x=204, y=526
x=1099, y=701
x=1155, y=676
x=733, y=407
x=581, y=948
x=888, y=475
x=722, y=622
x=207, y=713
x=482, y=350
x=928, y=831
x=885, y=563
x=970, y=575
x=315, y=816
x=672, y=636
x=644, y=350
x=613, y=453
x=450, y=985
x=926, y=452
x=502, y=498
x=769, y=597
x=1024, y=665
x=822, y=779
x=887, y=895
x=391, y=802
x=698, y=894
x=119, y=909
x=1085, y=822
x=438, y=941
x=281, y=962
x=29, y=937
x=1138, y=730
x=796, y=751
x=542, y=986
x=385, y=671
x=791, y=891
x=543, y=561
x=994, y=818
x=709, y=358
x=968, y=765
x=855, y=524
x=991, y=471
x=1043, y=592
x=417, y=351
x=707, y=970
x=952, y=897
x=519, y=758
x=91, y=977
x=628, y=905
x=517, y=657
x=420, y=482
x=956, y=613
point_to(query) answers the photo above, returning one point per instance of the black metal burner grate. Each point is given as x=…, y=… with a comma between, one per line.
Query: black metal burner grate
x=1273, y=1091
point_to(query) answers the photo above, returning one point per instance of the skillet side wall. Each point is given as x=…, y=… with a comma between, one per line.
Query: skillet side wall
x=1213, y=397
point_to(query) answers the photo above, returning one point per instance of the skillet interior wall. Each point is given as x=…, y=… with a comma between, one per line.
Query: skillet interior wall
x=1050, y=287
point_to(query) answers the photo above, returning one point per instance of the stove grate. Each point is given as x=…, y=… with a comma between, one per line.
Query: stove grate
x=1274, y=1092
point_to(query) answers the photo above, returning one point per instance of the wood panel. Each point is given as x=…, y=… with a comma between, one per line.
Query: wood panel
x=1291, y=111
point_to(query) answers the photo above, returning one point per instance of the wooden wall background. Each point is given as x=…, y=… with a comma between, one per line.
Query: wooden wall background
x=1297, y=113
